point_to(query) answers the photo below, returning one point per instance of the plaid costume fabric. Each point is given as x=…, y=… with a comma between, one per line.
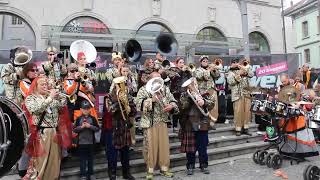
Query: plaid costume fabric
x=188, y=143
x=121, y=135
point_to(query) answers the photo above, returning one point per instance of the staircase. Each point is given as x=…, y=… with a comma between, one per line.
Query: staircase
x=223, y=144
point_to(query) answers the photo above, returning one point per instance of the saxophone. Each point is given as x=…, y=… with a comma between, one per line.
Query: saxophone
x=122, y=97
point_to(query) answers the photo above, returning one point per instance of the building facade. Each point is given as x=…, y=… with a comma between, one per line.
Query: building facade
x=200, y=27
x=306, y=28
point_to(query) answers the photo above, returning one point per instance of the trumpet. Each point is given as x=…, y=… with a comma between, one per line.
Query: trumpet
x=72, y=98
x=244, y=66
x=216, y=65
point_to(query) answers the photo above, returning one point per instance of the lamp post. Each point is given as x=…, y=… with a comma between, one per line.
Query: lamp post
x=245, y=31
x=284, y=30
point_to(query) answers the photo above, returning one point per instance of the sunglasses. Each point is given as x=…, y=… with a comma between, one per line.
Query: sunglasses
x=34, y=70
x=73, y=71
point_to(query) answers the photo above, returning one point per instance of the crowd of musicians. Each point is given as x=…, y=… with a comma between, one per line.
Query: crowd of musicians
x=59, y=102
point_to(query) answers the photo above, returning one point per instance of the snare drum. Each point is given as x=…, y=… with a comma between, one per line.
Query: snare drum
x=316, y=116
x=13, y=134
x=255, y=106
x=280, y=108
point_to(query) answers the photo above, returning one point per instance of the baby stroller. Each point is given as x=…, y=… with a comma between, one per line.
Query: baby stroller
x=286, y=130
x=312, y=172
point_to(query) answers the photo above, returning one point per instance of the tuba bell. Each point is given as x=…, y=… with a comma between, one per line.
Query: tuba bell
x=22, y=56
x=133, y=50
x=166, y=44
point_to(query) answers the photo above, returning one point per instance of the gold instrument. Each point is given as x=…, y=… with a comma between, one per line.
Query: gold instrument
x=216, y=65
x=244, y=65
x=194, y=94
x=72, y=98
x=23, y=55
x=190, y=67
x=122, y=96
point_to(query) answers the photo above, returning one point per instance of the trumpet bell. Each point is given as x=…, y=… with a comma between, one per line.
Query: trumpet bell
x=83, y=46
x=22, y=56
x=154, y=85
x=133, y=50
x=166, y=44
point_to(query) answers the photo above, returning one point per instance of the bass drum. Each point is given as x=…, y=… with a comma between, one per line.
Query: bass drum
x=13, y=134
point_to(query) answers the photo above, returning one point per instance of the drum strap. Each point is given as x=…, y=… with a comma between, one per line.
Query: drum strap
x=41, y=120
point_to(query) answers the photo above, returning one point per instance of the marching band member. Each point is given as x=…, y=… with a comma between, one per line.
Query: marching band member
x=194, y=125
x=238, y=80
x=43, y=145
x=155, y=111
x=206, y=75
x=300, y=141
x=119, y=137
x=183, y=72
x=30, y=72
x=71, y=86
x=53, y=69
x=11, y=73
x=132, y=88
x=86, y=88
x=148, y=69
x=117, y=62
x=158, y=62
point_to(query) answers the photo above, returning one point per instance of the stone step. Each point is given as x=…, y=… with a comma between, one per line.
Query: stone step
x=222, y=130
x=177, y=160
x=214, y=142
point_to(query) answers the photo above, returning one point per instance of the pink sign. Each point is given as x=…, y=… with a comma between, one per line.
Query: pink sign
x=272, y=69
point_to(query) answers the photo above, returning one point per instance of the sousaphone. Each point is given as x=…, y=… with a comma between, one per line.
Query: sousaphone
x=83, y=46
x=22, y=56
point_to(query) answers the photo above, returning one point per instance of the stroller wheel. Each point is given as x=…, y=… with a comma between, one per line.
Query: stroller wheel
x=305, y=177
x=255, y=156
x=262, y=157
x=312, y=173
x=276, y=161
x=268, y=160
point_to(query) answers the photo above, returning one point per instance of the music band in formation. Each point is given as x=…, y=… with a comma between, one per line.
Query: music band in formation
x=59, y=104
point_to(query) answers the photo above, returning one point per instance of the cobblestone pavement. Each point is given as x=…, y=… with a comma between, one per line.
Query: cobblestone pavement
x=245, y=169
x=241, y=169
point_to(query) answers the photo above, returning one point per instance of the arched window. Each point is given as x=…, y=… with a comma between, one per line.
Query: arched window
x=86, y=24
x=152, y=28
x=211, y=34
x=15, y=31
x=259, y=42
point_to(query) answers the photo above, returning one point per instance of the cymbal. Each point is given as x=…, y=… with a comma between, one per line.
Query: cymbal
x=289, y=94
x=256, y=90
